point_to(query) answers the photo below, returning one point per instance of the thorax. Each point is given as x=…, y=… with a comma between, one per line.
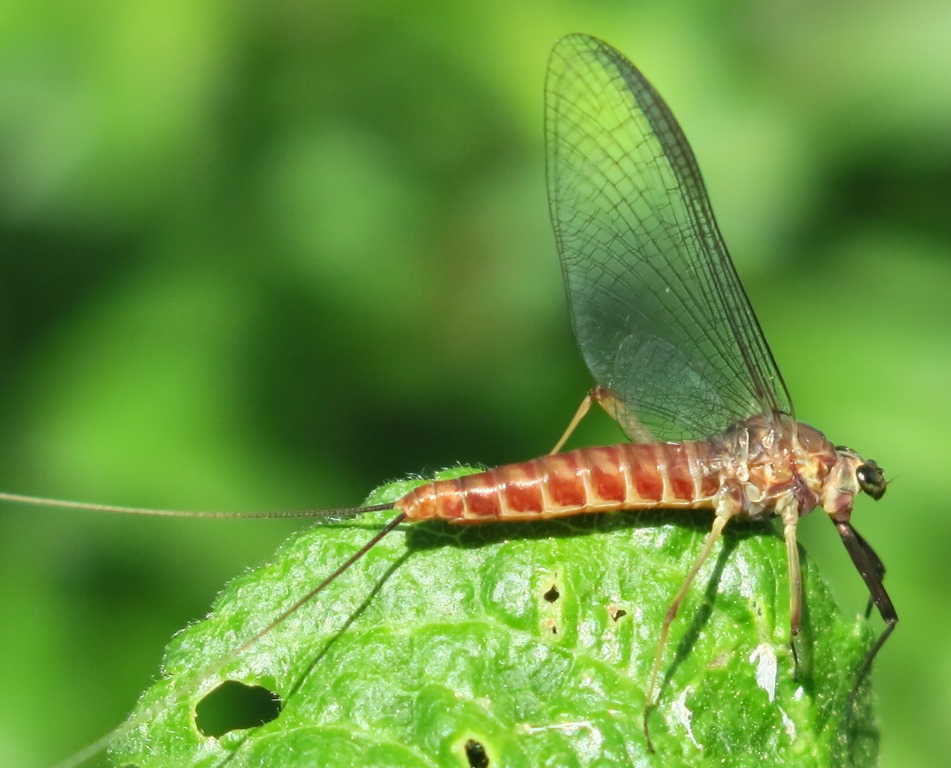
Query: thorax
x=763, y=461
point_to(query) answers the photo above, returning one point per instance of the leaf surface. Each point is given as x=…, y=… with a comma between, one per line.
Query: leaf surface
x=528, y=644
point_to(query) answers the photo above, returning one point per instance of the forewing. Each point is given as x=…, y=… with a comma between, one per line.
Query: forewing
x=658, y=309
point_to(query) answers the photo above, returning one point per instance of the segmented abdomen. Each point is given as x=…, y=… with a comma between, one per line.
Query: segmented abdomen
x=626, y=476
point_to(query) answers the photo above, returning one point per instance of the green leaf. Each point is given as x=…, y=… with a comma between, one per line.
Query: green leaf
x=533, y=642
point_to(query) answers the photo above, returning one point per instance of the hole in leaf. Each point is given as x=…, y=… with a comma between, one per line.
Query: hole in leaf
x=233, y=706
x=475, y=754
x=552, y=594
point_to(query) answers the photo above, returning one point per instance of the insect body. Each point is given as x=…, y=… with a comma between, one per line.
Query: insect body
x=671, y=339
x=756, y=469
x=669, y=334
x=750, y=471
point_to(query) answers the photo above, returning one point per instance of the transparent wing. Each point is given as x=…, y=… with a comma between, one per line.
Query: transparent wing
x=658, y=309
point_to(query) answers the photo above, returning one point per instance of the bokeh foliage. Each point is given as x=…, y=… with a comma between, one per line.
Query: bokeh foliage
x=267, y=256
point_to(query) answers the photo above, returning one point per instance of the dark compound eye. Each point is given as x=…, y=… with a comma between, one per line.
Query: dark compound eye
x=871, y=480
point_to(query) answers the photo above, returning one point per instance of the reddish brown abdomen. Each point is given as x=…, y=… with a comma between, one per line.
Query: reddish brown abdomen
x=626, y=476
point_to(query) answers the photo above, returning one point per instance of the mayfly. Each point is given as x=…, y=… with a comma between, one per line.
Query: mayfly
x=675, y=348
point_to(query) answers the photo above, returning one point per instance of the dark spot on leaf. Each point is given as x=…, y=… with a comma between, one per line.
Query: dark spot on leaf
x=616, y=613
x=475, y=754
x=233, y=706
x=552, y=594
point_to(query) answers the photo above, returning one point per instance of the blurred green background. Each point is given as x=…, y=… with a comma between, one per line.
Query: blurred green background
x=266, y=256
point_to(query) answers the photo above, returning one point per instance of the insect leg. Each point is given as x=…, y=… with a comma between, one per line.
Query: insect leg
x=871, y=569
x=876, y=563
x=790, y=515
x=719, y=523
x=600, y=395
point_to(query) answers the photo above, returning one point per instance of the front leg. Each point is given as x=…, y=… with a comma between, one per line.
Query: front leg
x=872, y=571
